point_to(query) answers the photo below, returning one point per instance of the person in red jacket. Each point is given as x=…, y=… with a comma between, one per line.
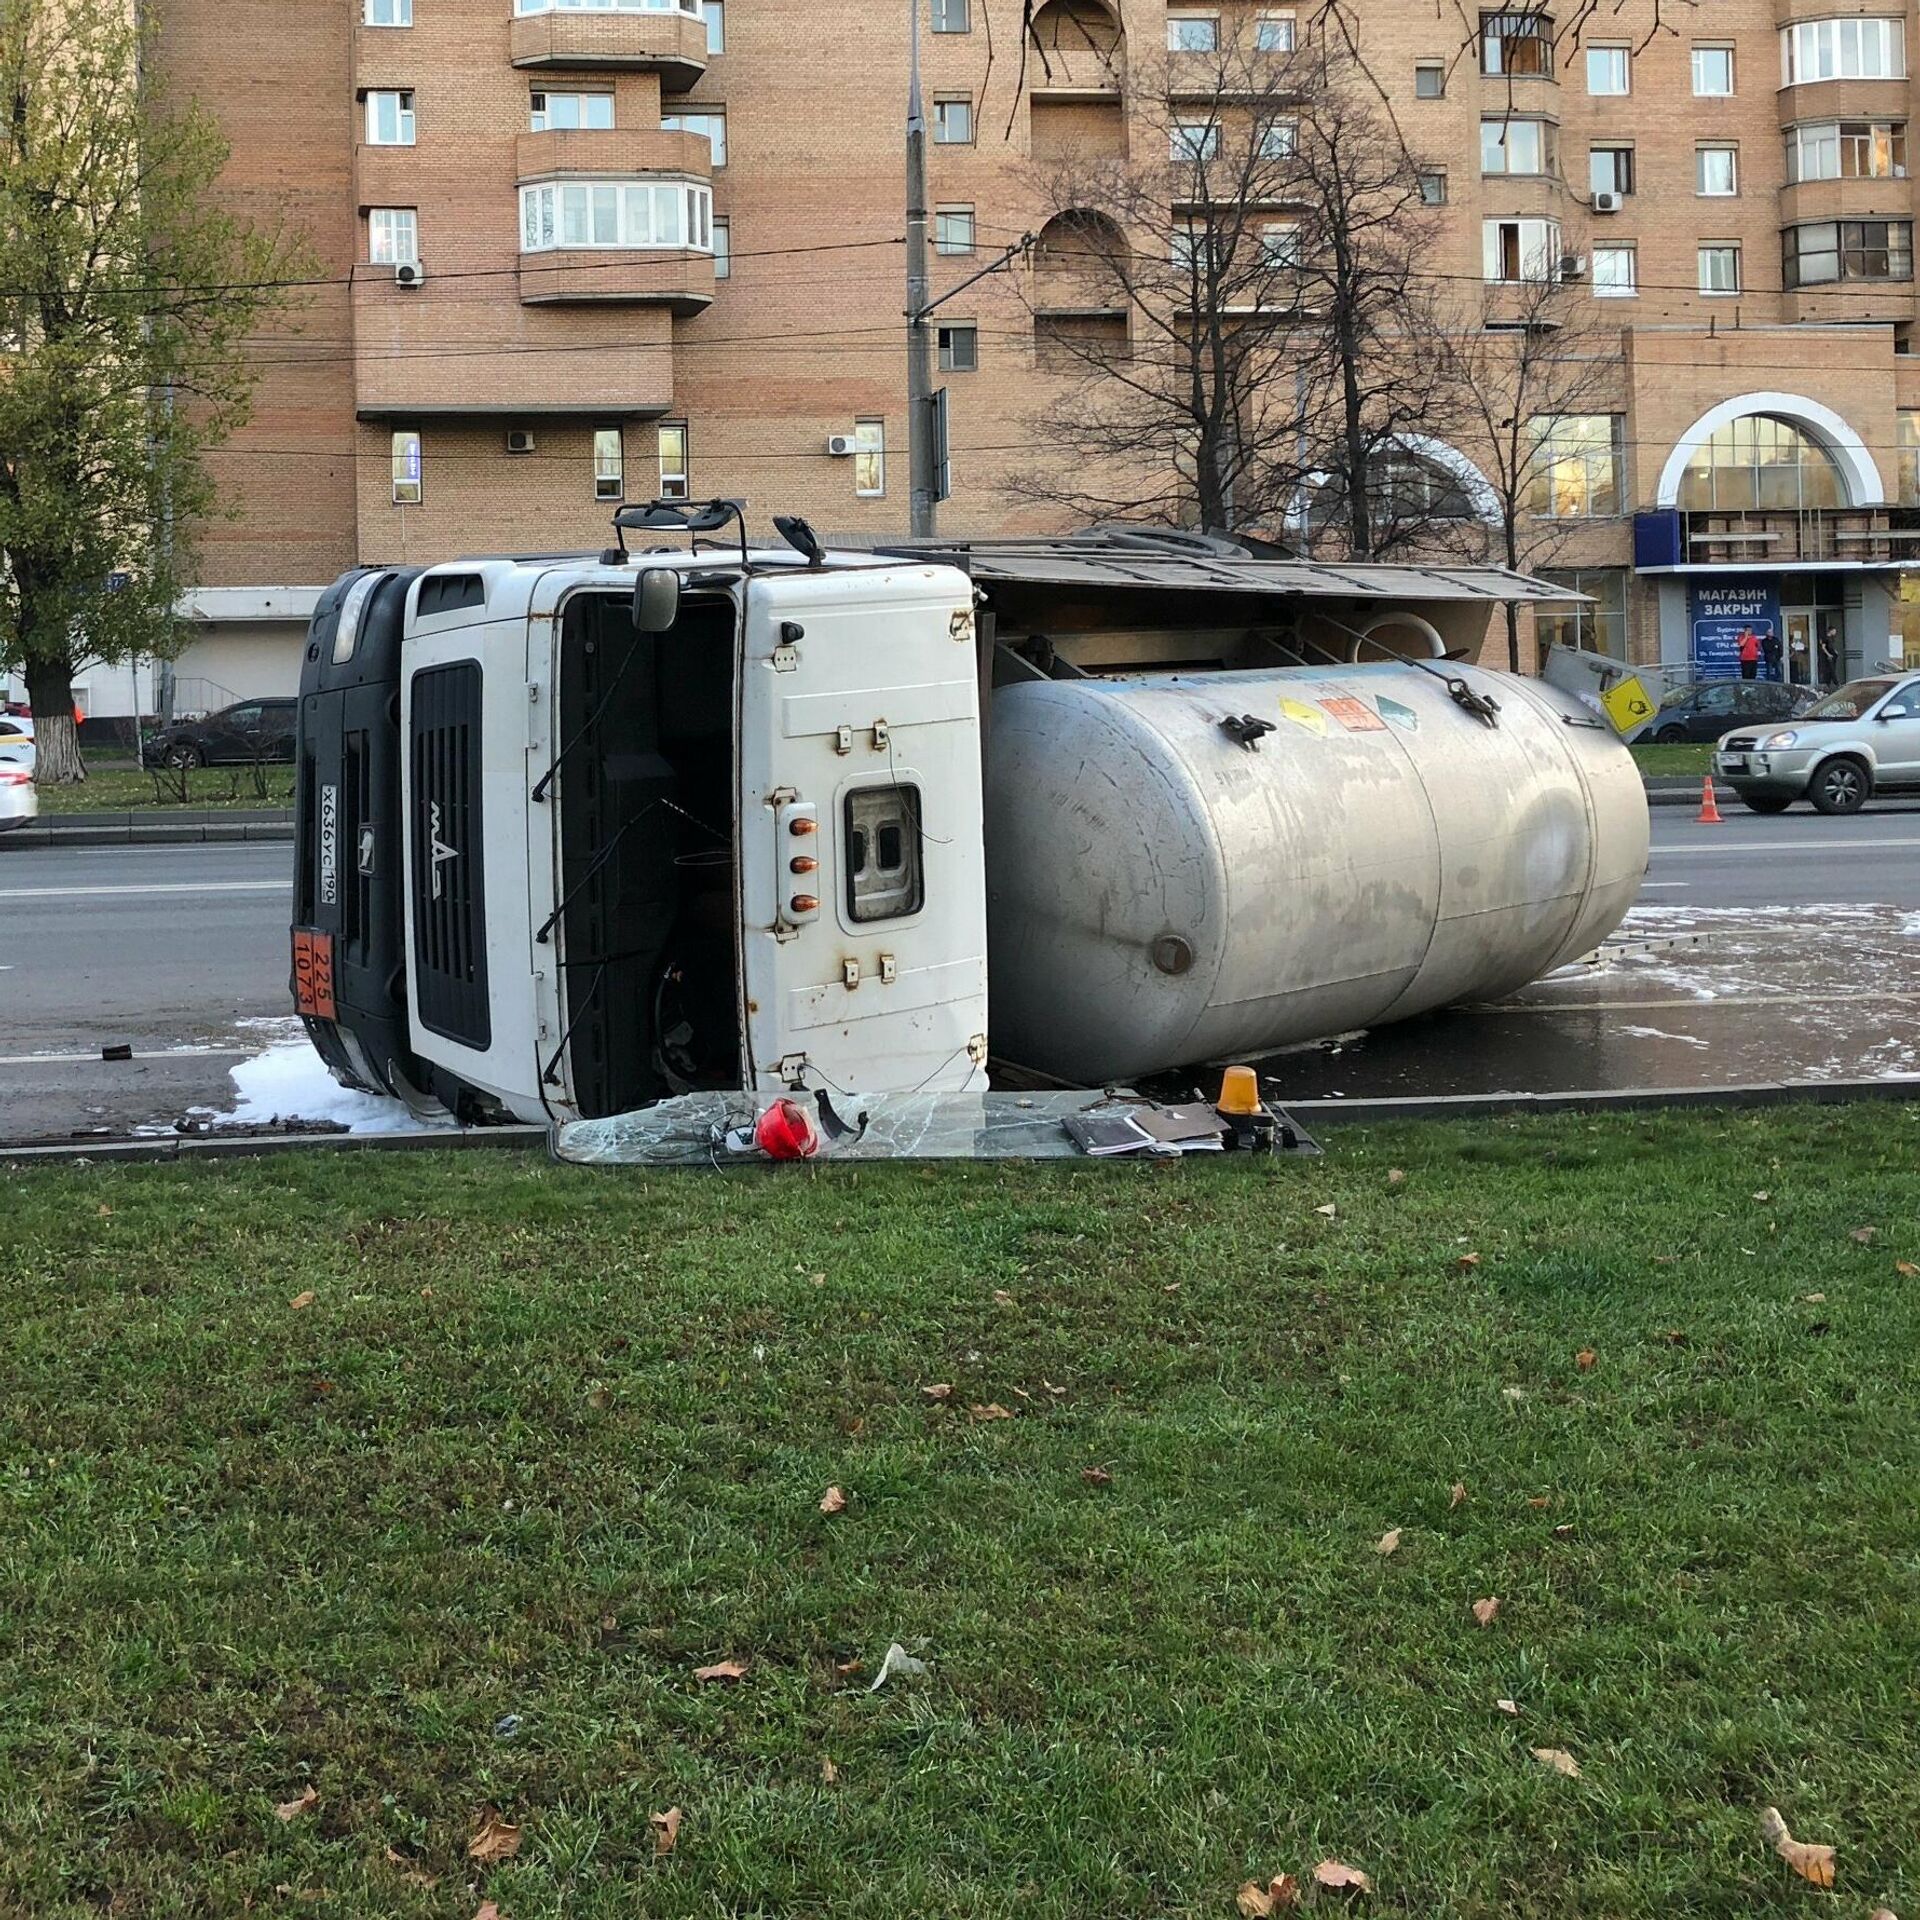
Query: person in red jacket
x=1749, y=654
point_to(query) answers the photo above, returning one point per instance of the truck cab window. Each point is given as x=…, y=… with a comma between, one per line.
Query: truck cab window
x=885, y=876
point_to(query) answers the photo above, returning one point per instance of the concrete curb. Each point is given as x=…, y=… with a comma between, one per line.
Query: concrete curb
x=153, y=827
x=1314, y=1115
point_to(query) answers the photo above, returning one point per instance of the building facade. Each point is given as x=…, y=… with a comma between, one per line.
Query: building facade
x=569, y=251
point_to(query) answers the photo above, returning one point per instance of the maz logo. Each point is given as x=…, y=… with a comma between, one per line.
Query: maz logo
x=442, y=853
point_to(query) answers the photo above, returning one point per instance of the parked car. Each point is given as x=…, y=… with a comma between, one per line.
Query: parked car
x=1861, y=740
x=18, y=801
x=16, y=742
x=1705, y=710
x=253, y=730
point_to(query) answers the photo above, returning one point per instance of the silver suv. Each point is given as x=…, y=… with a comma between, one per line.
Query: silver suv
x=1861, y=740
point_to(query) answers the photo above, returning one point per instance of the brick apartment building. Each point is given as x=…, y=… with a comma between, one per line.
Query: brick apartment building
x=576, y=249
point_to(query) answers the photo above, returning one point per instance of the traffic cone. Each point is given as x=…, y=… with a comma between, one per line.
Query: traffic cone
x=1709, y=814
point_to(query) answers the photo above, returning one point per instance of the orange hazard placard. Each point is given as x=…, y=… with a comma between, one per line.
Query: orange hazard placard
x=313, y=974
x=1355, y=715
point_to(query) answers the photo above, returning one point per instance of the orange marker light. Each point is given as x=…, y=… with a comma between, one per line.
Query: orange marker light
x=803, y=826
x=803, y=863
x=804, y=903
x=1239, y=1092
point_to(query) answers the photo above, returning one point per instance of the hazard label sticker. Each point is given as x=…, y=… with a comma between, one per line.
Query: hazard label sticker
x=1355, y=715
x=1303, y=715
x=1395, y=715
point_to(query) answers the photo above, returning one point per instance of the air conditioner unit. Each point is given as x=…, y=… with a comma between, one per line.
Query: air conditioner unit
x=840, y=445
x=408, y=273
x=1573, y=266
x=519, y=440
x=1608, y=202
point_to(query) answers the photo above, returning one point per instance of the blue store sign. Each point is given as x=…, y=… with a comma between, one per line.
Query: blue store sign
x=1720, y=611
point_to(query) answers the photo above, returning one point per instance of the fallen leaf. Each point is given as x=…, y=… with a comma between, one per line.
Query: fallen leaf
x=1586, y=1359
x=845, y=1668
x=1563, y=1532
x=1883, y=1913
x=1763, y=1198
x=1389, y=1542
x=834, y=1500
x=1329, y=1210
x=599, y=1397
x=1467, y=1262
x=1538, y=1501
x=1096, y=1476
x=941, y=1392
x=1908, y=1270
x=426, y=1293
x=1559, y=1759
x=1511, y=1708
x=829, y=1773
x=497, y=1840
x=898, y=1665
x=1864, y=1236
x=1814, y=1299
x=722, y=1670
x=993, y=1410
x=414, y=1876
x=1810, y=1862
x=666, y=1830
x=1279, y=1895
x=1395, y=1175
x=300, y=1300
x=1002, y=1298
x=293, y=1809
x=1486, y=1611
x=488, y=1910
x=1337, y=1877
x=1675, y=1337
x=1172, y=1286
x=1458, y=1497
x=105, y=1212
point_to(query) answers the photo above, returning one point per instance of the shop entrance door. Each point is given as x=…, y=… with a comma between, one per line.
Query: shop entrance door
x=1801, y=666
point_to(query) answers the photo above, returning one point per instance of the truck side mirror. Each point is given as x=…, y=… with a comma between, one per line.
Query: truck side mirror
x=656, y=600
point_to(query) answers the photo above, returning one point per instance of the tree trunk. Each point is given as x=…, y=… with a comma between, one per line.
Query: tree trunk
x=1513, y=637
x=56, y=740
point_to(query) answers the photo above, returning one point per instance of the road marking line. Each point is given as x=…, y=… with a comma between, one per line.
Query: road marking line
x=1691, y=1000
x=183, y=886
x=1695, y=848
x=1650, y=886
x=161, y=1053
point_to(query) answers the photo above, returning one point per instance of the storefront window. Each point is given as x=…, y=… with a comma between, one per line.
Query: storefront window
x=1577, y=467
x=1599, y=628
x=1761, y=463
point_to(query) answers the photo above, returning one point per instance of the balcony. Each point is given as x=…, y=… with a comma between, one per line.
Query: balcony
x=1844, y=100
x=671, y=44
x=1774, y=537
x=1881, y=199
x=613, y=152
x=680, y=279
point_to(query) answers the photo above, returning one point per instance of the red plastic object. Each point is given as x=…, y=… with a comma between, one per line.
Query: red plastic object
x=786, y=1132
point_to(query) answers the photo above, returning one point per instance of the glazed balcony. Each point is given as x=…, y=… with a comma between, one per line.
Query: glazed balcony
x=680, y=279
x=669, y=41
x=1772, y=537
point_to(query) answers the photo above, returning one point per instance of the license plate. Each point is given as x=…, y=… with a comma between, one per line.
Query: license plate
x=1733, y=763
x=313, y=974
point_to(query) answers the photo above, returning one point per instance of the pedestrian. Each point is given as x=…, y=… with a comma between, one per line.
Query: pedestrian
x=1749, y=654
x=1770, y=644
x=1797, y=651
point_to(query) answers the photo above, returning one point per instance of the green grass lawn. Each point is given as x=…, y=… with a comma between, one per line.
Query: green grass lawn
x=118, y=788
x=545, y=1442
x=1684, y=759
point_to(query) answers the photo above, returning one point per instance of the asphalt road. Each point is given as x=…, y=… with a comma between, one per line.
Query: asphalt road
x=174, y=950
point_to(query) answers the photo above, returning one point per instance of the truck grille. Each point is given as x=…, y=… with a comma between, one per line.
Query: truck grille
x=449, y=895
x=1739, y=743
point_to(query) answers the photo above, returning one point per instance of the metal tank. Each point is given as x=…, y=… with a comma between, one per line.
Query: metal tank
x=1161, y=894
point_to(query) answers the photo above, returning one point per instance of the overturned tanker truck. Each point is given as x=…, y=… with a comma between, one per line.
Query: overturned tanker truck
x=580, y=833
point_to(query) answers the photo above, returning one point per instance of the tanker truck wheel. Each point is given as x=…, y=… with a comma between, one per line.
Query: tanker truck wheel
x=1841, y=786
x=1766, y=802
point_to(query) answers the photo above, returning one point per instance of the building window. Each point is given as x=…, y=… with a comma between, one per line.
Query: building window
x=959, y=347
x=1720, y=269
x=390, y=119
x=555, y=111
x=1609, y=71
x=722, y=250
x=1519, y=146
x=388, y=13
x=393, y=236
x=1615, y=273
x=616, y=213
x=1712, y=73
x=407, y=472
x=1576, y=467
x=1193, y=140
x=1716, y=172
x=1760, y=462
x=1274, y=33
x=712, y=121
x=869, y=458
x=1429, y=80
x=1599, y=628
x=953, y=16
x=1433, y=189
x=715, y=14
x=1824, y=251
x=1517, y=43
x=1280, y=245
x=1847, y=150
x=1520, y=249
x=953, y=230
x=609, y=464
x=1610, y=169
x=953, y=122
x=1909, y=459
x=676, y=471
x=1193, y=33
x=1279, y=140
x=1843, y=50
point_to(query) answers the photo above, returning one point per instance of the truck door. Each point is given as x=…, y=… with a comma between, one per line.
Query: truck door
x=863, y=872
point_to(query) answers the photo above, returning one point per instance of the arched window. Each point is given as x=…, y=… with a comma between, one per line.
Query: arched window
x=1761, y=461
x=1405, y=488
